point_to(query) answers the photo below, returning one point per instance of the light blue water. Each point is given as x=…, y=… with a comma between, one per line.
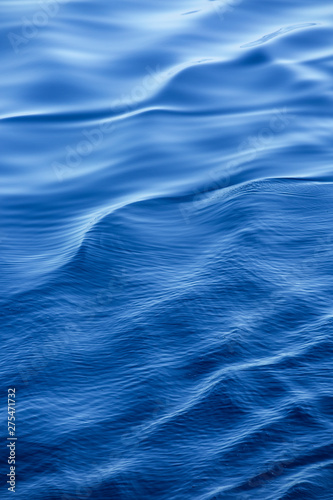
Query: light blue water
x=166, y=249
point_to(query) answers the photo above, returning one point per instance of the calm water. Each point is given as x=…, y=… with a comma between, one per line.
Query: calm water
x=166, y=257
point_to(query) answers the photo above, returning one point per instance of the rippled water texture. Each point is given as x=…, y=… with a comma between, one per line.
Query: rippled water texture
x=166, y=248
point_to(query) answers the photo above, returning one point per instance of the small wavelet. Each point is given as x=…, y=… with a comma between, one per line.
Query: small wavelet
x=281, y=31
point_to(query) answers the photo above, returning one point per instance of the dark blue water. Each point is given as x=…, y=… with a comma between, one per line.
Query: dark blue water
x=166, y=258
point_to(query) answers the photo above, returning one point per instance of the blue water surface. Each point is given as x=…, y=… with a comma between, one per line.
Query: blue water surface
x=166, y=248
